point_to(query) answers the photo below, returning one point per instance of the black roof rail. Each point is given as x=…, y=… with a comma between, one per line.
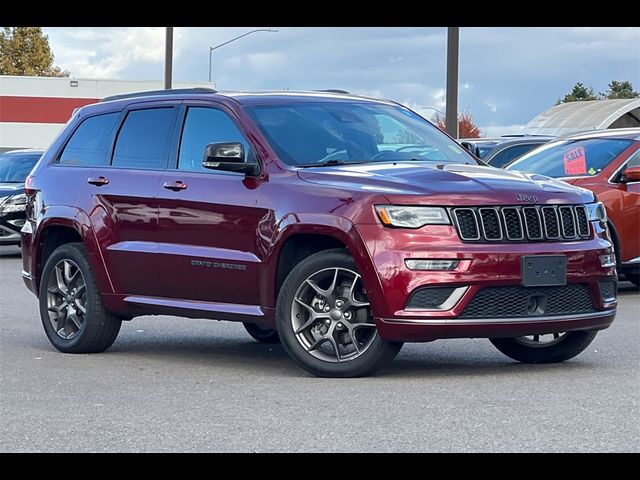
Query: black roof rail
x=177, y=91
x=334, y=90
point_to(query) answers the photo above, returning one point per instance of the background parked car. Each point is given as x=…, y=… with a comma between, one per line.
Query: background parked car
x=607, y=162
x=499, y=152
x=15, y=165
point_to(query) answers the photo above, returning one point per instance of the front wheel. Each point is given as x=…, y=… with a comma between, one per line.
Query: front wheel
x=324, y=319
x=549, y=348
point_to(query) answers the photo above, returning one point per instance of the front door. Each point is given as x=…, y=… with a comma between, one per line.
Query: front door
x=631, y=209
x=208, y=219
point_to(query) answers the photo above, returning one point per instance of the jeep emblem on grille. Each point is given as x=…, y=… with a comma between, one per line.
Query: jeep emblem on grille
x=527, y=198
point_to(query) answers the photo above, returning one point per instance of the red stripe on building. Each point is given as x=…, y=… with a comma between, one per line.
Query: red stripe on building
x=40, y=109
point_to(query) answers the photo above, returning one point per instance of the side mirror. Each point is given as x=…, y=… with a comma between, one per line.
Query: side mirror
x=471, y=148
x=631, y=174
x=230, y=157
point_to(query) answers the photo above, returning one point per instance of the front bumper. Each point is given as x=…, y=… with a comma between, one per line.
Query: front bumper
x=10, y=226
x=481, y=266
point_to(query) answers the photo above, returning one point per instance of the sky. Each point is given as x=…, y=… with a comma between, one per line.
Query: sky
x=507, y=75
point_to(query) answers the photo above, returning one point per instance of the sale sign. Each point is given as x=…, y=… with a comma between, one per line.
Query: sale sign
x=575, y=162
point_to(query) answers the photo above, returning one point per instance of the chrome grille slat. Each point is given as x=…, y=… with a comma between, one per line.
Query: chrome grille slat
x=582, y=220
x=513, y=223
x=533, y=223
x=545, y=223
x=490, y=224
x=567, y=222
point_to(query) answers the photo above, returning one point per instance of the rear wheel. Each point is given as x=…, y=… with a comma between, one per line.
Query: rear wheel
x=261, y=334
x=548, y=348
x=73, y=317
x=324, y=319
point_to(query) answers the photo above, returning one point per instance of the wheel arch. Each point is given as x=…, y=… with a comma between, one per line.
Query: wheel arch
x=307, y=236
x=62, y=225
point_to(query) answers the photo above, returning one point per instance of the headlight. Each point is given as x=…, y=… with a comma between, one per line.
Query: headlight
x=596, y=211
x=14, y=203
x=411, y=217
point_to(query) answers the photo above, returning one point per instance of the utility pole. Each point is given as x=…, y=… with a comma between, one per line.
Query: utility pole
x=168, y=58
x=453, y=47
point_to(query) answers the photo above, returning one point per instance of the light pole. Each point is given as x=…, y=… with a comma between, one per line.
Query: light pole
x=211, y=49
x=453, y=51
x=168, y=58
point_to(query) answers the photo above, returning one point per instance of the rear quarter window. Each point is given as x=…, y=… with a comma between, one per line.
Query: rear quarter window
x=90, y=142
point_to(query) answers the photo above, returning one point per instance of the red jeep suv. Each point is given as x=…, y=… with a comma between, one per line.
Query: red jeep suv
x=339, y=225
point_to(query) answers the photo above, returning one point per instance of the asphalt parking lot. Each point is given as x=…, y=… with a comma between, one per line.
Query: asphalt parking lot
x=171, y=384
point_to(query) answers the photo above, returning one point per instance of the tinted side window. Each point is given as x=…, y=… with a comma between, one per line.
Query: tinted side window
x=634, y=161
x=202, y=127
x=89, y=144
x=509, y=154
x=144, y=139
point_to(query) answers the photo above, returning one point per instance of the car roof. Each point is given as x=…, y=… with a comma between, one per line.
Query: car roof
x=242, y=97
x=617, y=133
x=514, y=140
x=24, y=151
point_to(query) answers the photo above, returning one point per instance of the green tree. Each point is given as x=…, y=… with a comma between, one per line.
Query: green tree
x=26, y=51
x=620, y=90
x=579, y=93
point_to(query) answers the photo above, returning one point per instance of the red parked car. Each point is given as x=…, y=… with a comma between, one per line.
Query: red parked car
x=340, y=225
x=607, y=162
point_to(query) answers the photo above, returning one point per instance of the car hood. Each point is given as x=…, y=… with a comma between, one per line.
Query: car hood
x=7, y=189
x=447, y=184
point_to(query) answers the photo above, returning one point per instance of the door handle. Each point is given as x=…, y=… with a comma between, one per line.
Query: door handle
x=175, y=186
x=98, y=182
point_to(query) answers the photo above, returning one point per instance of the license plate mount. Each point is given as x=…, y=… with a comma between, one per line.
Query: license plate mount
x=543, y=270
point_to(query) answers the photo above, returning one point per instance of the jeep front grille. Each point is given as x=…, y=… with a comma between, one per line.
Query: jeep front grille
x=549, y=223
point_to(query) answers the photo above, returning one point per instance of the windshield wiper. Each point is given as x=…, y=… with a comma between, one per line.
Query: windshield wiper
x=327, y=163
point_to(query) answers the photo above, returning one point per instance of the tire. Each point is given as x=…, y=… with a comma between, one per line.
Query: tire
x=261, y=334
x=566, y=346
x=93, y=331
x=326, y=343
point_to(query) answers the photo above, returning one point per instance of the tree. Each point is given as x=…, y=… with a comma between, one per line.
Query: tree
x=26, y=51
x=620, y=90
x=579, y=93
x=466, y=125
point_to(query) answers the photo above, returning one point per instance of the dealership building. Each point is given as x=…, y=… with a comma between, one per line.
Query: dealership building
x=34, y=109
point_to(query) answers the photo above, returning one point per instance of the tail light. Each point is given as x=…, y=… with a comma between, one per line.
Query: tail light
x=28, y=185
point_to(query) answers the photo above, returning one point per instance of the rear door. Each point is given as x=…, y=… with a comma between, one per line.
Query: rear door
x=121, y=198
x=208, y=219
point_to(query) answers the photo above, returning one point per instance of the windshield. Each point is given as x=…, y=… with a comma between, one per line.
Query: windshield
x=14, y=167
x=333, y=133
x=571, y=158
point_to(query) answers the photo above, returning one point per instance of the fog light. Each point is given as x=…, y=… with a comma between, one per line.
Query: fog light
x=608, y=260
x=417, y=264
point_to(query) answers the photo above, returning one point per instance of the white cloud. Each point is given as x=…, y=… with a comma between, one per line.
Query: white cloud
x=507, y=75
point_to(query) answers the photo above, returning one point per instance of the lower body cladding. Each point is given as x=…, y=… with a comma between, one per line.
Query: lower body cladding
x=484, y=294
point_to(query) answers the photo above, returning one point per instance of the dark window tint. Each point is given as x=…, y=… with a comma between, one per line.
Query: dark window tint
x=89, y=144
x=202, y=127
x=144, y=139
x=509, y=154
